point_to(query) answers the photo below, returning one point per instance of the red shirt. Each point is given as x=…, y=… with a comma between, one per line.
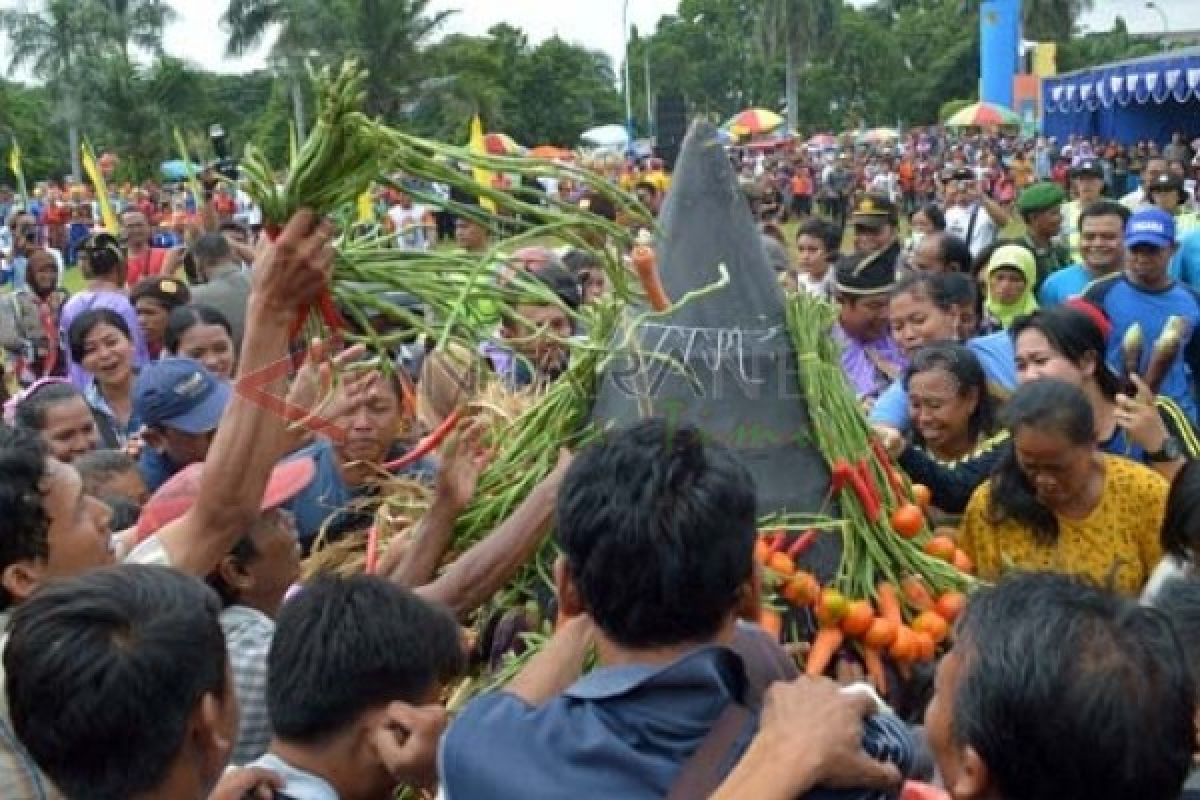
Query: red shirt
x=150, y=262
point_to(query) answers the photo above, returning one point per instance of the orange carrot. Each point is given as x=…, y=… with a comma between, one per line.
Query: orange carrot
x=873, y=661
x=916, y=593
x=888, y=603
x=645, y=263
x=824, y=645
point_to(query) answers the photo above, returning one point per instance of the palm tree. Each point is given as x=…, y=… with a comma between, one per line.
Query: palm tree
x=800, y=27
x=388, y=37
x=57, y=43
x=136, y=23
x=303, y=25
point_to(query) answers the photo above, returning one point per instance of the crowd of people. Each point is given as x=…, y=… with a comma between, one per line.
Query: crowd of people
x=158, y=514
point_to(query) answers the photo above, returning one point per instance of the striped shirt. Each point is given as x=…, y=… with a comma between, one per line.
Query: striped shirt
x=248, y=634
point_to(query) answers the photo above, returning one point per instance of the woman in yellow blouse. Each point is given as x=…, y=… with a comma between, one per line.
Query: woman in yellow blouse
x=1056, y=503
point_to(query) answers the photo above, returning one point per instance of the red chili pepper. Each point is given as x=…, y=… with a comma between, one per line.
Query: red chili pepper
x=802, y=543
x=840, y=475
x=885, y=461
x=426, y=445
x=778, y=540
x=860, y=479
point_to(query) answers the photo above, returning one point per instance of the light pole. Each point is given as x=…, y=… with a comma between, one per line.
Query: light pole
x=649, y=111
x=1162, y=15
x=628, y=89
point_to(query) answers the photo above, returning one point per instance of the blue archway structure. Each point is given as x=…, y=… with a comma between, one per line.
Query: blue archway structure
x=1142, y=98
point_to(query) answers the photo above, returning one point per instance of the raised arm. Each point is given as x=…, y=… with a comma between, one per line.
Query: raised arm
x=253, y=434
x=488, y=565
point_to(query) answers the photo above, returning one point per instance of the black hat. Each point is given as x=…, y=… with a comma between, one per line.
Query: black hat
x=1166, y=182
x=875, y=211
x=1089, y=166
x=871, y=273
x=963, y=174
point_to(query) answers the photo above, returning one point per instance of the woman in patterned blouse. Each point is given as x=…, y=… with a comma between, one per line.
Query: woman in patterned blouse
x=1056, y=503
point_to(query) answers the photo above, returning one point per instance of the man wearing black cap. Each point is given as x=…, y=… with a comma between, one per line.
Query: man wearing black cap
x=970, y=214
x=1168, y=193
x=1087, y=185
x=870, y=356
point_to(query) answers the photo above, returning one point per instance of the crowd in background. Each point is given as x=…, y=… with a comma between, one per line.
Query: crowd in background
x=985, y=285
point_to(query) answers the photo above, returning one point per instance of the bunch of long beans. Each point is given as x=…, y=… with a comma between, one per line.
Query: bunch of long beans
x=337, y=162
x=530, y=446
x=878, y=561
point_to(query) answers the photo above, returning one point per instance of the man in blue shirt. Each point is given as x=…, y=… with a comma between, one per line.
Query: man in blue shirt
x=1185, y=266
x=657, y=529
x=349, y=469
x=1102, y=247
x=1146, y=293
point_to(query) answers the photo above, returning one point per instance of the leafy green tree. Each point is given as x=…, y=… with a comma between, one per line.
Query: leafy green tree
x=803, y=29
x=135, y=23
x=388, y=37
x=1103, y=47
x=57, y=43
x=303, y=27
x=1052, y=20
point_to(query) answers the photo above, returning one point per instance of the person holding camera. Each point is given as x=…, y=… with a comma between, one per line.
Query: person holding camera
x=23, y=228
x=971, y=214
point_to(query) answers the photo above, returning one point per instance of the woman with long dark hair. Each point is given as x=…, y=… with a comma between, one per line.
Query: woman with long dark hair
x=202, y=333
x=102, y=343
x=948, y=401
x=1056, y=503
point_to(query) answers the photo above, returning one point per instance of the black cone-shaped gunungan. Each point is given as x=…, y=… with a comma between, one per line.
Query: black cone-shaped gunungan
x=740, y=383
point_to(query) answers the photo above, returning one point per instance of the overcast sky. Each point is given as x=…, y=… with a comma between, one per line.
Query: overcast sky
x=594, y=23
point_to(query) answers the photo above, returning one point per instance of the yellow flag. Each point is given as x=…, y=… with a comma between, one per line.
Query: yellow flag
x=482, y=176
x=101, y=189
x=14, y=164
x=366, y=208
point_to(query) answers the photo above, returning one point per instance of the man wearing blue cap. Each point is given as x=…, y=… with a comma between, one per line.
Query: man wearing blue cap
x=1146, y=293
x=180, y=403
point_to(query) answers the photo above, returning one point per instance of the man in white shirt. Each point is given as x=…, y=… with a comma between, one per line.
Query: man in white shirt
x=970, y=214
x=1155, y=166
x=412, y=225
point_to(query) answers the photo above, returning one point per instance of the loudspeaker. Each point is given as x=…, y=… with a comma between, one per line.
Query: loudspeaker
x=671, y=126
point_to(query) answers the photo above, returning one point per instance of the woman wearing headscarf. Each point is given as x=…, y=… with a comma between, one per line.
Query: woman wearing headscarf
x=1010, y=277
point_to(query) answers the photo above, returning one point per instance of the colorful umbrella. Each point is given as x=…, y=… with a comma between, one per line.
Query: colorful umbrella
x=753, y=121
x=501, y=144
x=823, y=140
x=983, y=115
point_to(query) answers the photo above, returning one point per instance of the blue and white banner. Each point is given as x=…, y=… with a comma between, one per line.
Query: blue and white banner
x=1155, y=80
